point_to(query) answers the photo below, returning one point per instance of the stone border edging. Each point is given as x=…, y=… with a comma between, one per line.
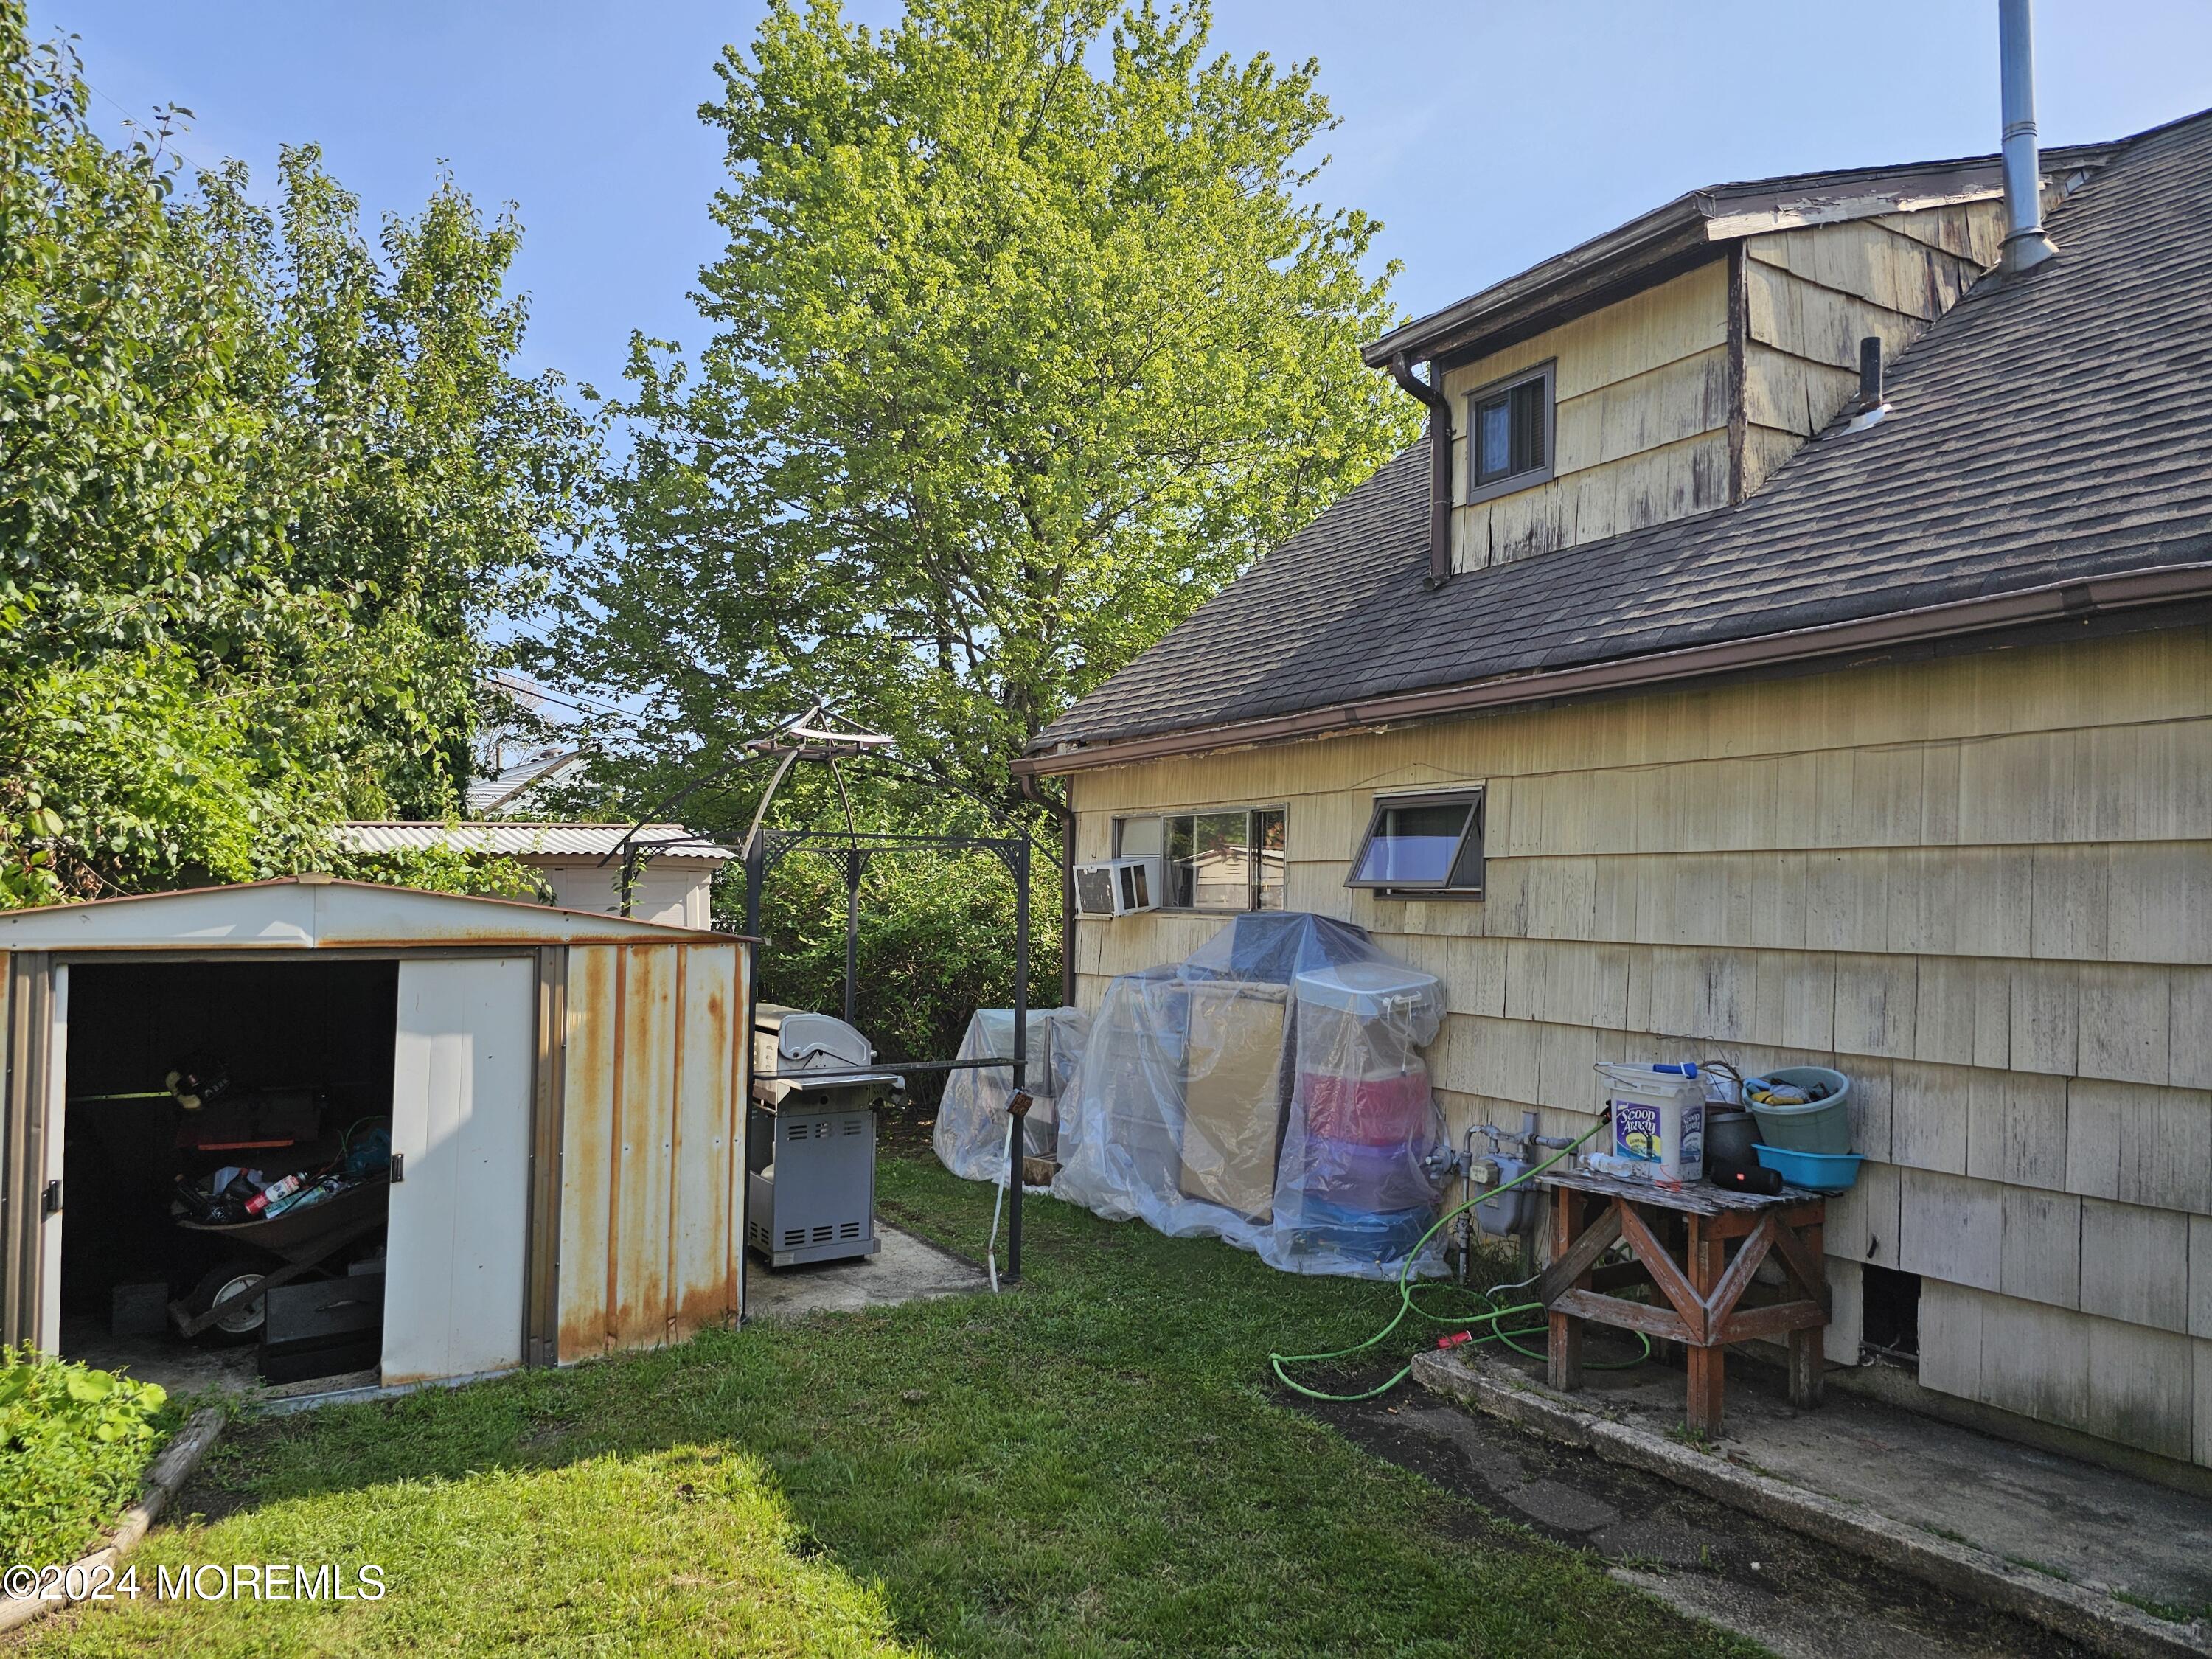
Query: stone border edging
x=2087, y=1616
x=175, y=1465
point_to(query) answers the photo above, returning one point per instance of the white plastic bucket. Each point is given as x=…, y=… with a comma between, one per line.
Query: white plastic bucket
x=1658, y=1123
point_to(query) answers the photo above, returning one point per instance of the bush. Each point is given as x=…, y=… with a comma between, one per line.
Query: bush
x=73, y=1447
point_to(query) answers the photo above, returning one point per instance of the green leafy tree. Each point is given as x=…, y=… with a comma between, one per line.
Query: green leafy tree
x=1030, y=334
x=261, y=488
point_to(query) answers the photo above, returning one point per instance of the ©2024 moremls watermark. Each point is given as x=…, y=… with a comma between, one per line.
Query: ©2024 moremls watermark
x=245, y=1581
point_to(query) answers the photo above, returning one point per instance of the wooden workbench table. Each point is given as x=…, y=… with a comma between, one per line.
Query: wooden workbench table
x=1698, y=1247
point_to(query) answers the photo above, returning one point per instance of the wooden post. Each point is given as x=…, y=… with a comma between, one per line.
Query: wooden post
x=1809, y=1357
x=1566, y=1352
x=1708, y=1361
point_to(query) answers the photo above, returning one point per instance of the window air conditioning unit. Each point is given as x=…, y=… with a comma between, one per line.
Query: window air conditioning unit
x=1117, y=886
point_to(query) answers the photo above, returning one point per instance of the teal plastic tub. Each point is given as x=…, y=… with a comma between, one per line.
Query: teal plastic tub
x=1822, y=1126
x=1814, y=1171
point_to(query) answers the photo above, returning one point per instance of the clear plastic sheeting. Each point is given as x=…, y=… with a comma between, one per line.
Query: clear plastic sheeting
x=970, y=1135
x=1269, y=1090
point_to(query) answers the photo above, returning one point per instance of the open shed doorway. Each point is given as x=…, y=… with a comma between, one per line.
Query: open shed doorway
x=193, y=1089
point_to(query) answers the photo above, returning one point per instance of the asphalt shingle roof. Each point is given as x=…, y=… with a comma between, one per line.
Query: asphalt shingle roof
x=2048, y=427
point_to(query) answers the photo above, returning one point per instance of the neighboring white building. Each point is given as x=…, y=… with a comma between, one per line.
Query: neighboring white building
x=579, y=861
x=513, y=787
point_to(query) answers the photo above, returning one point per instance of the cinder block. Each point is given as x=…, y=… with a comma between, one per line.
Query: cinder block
x=1840, y=1340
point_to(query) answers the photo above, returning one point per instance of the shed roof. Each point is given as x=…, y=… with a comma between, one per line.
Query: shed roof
x=523, y=839
x=2050, y=440
x=310, y=912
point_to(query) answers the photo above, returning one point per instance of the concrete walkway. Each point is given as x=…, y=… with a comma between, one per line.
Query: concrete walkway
x=2118, y=1562
x=903, y=1269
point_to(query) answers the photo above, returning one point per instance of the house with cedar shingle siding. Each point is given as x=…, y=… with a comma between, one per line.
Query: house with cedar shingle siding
x=1796, y=630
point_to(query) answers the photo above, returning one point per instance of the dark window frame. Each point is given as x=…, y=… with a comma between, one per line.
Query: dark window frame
x=1480, y=489
x=1474, y=795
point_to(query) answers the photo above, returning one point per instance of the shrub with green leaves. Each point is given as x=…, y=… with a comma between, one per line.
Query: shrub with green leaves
x=73, y=1447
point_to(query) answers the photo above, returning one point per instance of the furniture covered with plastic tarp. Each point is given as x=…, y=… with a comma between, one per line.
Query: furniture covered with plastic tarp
x=970, y=1137
x=1268, y=1091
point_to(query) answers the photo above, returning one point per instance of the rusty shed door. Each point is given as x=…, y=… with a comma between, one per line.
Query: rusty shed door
x=33, y=1016
x=652, y=1081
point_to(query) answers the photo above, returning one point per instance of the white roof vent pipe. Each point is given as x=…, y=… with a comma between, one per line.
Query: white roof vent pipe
x=2026, y=247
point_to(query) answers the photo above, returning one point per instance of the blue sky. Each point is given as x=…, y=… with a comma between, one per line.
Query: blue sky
x=1486, y=137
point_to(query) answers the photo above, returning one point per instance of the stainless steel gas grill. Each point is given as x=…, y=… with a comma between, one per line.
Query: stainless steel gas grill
x=810, y=1138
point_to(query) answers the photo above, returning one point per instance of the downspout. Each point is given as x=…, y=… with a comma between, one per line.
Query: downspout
x=2026, y=247
x=1440, y=466
x=1067, y=899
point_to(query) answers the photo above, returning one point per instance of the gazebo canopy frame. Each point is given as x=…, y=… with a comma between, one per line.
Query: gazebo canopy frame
x=819, y=736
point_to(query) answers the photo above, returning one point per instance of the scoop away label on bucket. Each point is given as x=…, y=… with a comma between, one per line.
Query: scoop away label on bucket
x=1671, y=1141
x=1635, y=1132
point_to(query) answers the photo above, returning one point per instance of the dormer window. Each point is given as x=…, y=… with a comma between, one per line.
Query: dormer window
x=1510, y=434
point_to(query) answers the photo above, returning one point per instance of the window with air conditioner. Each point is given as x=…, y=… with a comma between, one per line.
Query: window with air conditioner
x=1229, y=859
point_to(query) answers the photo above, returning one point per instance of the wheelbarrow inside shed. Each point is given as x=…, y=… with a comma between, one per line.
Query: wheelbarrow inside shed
x=183, y=1079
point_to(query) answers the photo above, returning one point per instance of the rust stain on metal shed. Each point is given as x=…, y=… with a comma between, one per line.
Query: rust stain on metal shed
x=653, y=1144
x=587, y=1148
x=699, y=1235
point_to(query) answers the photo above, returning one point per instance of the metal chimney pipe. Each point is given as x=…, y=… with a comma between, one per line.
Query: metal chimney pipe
x=1870, y=370
x=2026, y=247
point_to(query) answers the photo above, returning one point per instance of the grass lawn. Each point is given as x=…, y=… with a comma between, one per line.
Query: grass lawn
x=1095, y=1464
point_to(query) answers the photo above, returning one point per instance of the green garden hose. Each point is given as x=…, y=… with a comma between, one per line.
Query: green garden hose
x=1490, y=1314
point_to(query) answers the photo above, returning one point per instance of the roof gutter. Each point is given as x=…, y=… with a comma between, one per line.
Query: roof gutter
x=1440, y=464
x=2075, y=600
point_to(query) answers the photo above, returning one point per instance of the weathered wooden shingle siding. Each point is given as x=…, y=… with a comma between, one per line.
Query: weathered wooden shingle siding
x=1642, y=391
x=1811, y=296
x=1982, y=885
x=1647, y=388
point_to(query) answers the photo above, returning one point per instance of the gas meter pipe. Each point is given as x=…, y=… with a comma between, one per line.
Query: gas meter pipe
x=1490, y=1314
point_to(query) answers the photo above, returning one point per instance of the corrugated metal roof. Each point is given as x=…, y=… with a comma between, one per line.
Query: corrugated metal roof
x=520, y=839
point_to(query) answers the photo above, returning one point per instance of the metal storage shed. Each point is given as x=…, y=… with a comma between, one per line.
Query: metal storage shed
x=564, y=1090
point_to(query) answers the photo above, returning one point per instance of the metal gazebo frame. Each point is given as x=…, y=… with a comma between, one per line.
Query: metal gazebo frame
x=820, y=735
